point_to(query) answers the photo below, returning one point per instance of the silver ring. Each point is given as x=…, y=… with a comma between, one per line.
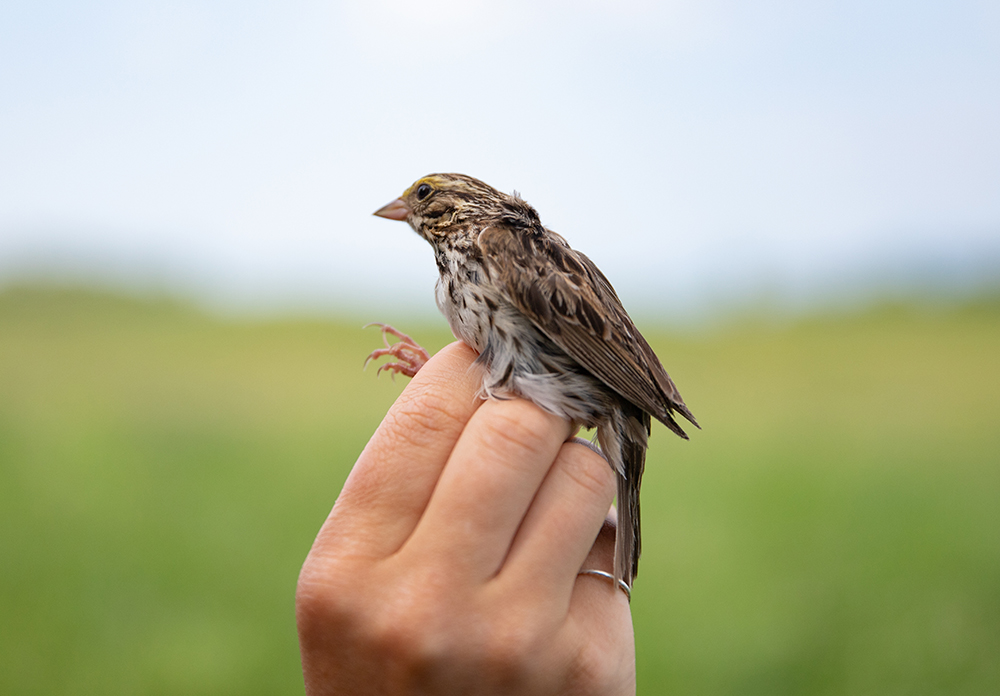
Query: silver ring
x=622, y=585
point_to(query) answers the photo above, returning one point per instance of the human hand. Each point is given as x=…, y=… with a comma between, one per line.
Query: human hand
x=450, y=561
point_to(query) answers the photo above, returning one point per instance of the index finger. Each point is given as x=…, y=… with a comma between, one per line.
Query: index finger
x=392, y=481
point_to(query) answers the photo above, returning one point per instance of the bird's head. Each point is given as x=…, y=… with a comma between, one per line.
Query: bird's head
x=438, y=204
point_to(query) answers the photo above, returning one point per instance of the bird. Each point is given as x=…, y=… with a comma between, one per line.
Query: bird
x=547, y=325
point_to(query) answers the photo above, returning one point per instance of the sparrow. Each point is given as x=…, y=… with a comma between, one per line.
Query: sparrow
x=548, y=327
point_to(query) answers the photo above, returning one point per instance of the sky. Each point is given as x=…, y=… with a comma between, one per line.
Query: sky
x=704, y=154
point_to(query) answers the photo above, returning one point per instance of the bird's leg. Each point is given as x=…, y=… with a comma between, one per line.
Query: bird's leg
x=410, y=356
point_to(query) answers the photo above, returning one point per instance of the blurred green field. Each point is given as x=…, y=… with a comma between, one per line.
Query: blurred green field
x=835, y=529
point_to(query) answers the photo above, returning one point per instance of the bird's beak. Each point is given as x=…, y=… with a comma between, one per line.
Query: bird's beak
x=397, y=210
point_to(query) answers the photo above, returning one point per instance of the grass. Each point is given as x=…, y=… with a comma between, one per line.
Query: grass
x=835, y=529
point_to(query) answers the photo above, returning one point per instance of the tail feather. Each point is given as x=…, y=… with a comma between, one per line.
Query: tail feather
x=631, y=451
x=628, y=541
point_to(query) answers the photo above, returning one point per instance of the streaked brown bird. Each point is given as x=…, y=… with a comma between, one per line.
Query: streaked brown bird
x=547, y=325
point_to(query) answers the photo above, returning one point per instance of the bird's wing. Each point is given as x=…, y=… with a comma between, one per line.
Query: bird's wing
x=568, y=298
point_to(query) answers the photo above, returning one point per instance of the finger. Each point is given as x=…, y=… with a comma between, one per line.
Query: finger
x=563, y=522
x=487, y=486
x=601, y=555
x=389, y=487
x=591, y=590
x=599, y=618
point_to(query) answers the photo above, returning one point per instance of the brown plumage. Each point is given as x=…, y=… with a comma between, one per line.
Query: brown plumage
x=548, y=327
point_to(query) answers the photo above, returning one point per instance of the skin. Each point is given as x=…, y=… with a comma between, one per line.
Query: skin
x=449, y=561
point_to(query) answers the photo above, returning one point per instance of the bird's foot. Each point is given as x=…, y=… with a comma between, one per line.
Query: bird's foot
x=410, y=356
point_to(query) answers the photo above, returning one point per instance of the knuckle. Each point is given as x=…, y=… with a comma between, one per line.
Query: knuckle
x=587, y=469
x=323, y=602
x=596, y=670
x=420, y=417
x=401, y=640
x=517, y=425
x=407, y=626
x=509, y=651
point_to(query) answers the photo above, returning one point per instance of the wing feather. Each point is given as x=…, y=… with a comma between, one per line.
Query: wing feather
x=567, y=297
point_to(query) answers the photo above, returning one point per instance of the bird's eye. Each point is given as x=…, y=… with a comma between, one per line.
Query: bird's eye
x=423, y=191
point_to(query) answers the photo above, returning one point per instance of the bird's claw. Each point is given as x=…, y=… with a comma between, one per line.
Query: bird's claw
x=410, y=356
